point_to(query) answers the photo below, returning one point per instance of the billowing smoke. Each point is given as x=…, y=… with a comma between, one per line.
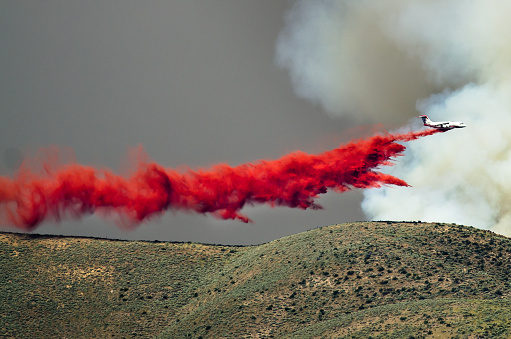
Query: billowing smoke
x=295, y=180
x=379, y=61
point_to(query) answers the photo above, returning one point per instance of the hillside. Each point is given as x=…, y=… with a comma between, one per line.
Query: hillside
x=379, y=279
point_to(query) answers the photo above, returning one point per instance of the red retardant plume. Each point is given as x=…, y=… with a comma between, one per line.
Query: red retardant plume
x=294, y=180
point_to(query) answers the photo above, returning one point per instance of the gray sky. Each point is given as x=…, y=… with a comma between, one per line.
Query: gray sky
x=193, y=82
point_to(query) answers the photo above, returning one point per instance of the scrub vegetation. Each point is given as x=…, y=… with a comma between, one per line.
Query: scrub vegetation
x=367, y=279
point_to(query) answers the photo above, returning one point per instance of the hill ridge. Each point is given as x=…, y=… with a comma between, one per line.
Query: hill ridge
x=388, y=222
x=319, y=283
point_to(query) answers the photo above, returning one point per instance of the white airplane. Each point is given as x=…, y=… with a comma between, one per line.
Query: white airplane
x=443, y=125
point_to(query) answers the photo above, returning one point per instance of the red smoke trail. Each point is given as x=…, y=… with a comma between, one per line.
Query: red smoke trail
x=294, y=180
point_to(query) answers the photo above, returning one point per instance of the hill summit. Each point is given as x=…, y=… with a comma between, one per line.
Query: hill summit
x=354, y=280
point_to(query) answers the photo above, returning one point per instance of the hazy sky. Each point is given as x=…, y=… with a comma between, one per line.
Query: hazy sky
x=194, y=82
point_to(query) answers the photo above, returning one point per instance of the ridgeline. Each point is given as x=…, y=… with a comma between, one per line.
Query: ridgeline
x=354, y=280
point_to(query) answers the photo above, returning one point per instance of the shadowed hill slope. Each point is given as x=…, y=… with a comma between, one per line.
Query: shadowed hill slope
x=379, y=279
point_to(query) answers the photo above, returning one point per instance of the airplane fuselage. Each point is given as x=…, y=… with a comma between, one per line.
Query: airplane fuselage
x=443, y=125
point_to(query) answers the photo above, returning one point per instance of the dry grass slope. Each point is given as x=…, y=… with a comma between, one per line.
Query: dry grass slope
x=368, y=279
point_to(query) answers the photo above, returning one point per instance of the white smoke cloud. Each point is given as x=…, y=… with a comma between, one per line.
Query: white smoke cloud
x=379, y=61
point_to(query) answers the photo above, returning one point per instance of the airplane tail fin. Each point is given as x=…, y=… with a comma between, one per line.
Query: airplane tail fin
x=425, y=119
